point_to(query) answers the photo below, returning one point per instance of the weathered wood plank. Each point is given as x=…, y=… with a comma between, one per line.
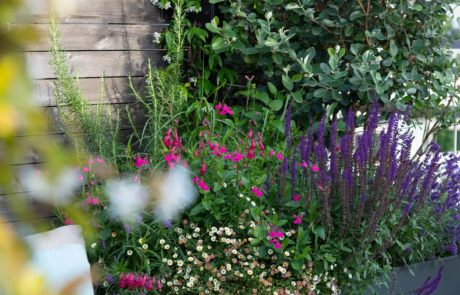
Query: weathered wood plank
x=92, y=64
x=99, y=37
x=20, y=206
x=52, y=126
x=116, y=90
x=92, y=11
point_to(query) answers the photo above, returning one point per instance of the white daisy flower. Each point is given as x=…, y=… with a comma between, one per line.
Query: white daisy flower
x=130, y=252
x=93, y=245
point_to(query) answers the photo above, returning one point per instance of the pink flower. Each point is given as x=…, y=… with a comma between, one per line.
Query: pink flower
x=185, y=165
x=168, y=157
x=249, y=78
x=337, y=147
x=86, y=170
x=205, y=188
x=39, y=172
x=279, y=234
x=272, y=234
x=251, y=155
x=139, y=162
x=261, y=145
x=279, y=156
x=320, y=187
x=226, y=110
x=196, y=153
x=250, y=133
x=296, y=198
x=257, y=191
x=316, y=169
x=223, y=150
x=88, y=201
x=90, y=161
x=303, y=164
x=262, y=154
x=297, y=221
x=80, y=177
x=203, y=168
x=76, y=169
x=272, y=153
x=95, y=201
x=227, y=156
x=278, y=246
x=219, y=106
x=260, y=137
x=195, y=179
x=99, y=160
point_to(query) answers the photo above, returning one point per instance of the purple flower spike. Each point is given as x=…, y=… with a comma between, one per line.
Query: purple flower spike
x=167, y=223
x=128, y=230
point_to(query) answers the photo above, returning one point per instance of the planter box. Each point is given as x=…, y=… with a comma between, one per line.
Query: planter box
x=449, y=284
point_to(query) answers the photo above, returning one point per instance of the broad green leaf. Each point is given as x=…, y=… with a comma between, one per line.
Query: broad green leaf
x=238, y=45
x=417, y=7
x=325, y=68
x=297, y=97
x=287, y=82
x=263, y=96
x=251, y=50
x=217, y=43
x=320, y=92
x=292, y=6
x=272, y=88
x=319, y=231
x=276, y=104
x=356, y=15
x=393, y=48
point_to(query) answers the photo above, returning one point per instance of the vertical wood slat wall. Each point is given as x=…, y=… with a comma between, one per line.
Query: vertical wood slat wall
x=101, y=37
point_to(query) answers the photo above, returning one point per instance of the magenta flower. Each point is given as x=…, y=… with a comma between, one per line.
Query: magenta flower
x=262, y=154
x=195, y=179
x=261, y=145
x=227, y=156
x=219, y=106
x=185, y=164
x=279, y=156
x=279, y=234
x=316, y=169
x=320, y=187
x=99, y=160
x=90, y=161
x=257, y=191
x=168, y=157
x=251, y=155
x=86, y=170
x=203, y=168
x=205, y=188
x=226, y=110
x=303, y=164
x=80, y=177
x=298, y=219
x=223, y=150
x=249, y=78
x=272, y=153
x=296, y=198
x=278, y=245
x=272, y=234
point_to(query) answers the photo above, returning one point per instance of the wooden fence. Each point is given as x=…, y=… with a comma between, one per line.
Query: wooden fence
x=102, y=37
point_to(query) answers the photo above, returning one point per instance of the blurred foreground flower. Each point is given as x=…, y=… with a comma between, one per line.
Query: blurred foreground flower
x=176, y=193
x=126, y=198
x=46, y=188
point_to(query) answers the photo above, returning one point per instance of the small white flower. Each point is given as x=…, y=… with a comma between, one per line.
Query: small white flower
x=93, y=245
x=248, y=199
x=253, y=203
x=170, y=262
x=167, y=58
x=167, y=247
x=165, y=260
x=140, y=241
x=224, y=184
x=145, y=246
x=105, y=283
x=130, y=252
x=175, y=255
x=162, y=242
x=234, y=39
x=332, y=267
x=286, y=253
x=180, y=263
x=350, y=276
x=270, y=251
x=167, y=5
x=240, y=195
x=199, y=248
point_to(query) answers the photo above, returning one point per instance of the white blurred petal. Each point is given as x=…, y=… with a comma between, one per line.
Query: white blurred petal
x=47, y=189
x=177, y=193
x=126, y=198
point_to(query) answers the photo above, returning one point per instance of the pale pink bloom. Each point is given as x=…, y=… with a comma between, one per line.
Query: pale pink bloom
x=39, y=172
x=77, y=168
x=279, y=156
x=185, y=165
x=90, y=162
x=99, y=159
x=86, y=170
x=249, y=78
x=80, y=177
x=296, y=198
x=171, y=164
x=138, y=171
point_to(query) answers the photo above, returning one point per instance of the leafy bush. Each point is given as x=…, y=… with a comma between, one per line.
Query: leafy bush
x=330, y=53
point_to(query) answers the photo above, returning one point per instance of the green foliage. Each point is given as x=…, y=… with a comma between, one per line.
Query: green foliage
x=331, y=52
x=92, y=127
